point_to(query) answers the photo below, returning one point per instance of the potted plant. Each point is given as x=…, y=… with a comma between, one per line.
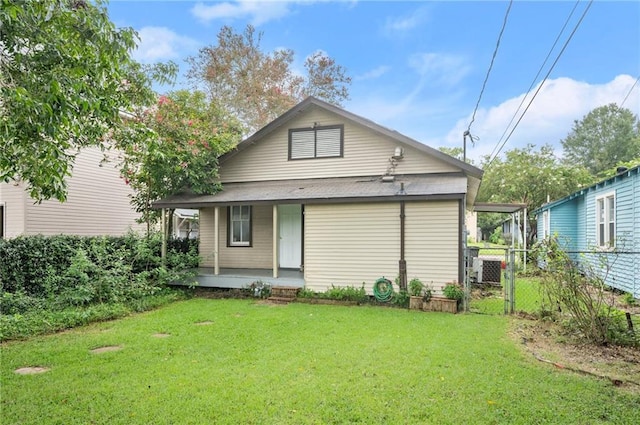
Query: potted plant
x=453, y=292
x=415, y=289
x=449, y=303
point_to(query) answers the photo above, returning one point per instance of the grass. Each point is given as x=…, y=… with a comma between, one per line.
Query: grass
x=527, y=298
x=296, y=364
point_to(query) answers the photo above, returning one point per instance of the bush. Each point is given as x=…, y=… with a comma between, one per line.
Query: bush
x=580, y=296
x=57, y=272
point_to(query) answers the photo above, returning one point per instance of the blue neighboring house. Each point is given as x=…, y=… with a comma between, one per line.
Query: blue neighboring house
x=600, y=226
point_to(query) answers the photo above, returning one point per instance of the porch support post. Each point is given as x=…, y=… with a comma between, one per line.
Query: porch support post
x=276, y=238
x=526, y=223
x=216, y=241
x=163, y=226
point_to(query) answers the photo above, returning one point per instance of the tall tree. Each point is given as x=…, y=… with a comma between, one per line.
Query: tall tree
x=174, y=147
x=604, y=137
x=64, y=70
x=529, y=176
x=256, y=86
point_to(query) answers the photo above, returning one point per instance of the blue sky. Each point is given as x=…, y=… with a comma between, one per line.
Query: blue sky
x=418, y=66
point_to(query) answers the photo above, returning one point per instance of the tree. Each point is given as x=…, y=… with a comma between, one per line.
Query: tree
x=256, y=86
x=605, y=136
x=530, y=177
x=174, y=147
x=456, y=152
x=64, y=71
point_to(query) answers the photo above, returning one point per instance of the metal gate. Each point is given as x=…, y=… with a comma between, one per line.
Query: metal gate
x=490, y=280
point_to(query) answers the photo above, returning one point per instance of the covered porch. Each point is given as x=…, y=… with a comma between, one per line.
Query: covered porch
x=241, y=278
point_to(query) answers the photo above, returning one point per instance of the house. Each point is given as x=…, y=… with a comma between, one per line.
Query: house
x=97, y=203
x=185, y=224
x=600, y=227
x=321, y=197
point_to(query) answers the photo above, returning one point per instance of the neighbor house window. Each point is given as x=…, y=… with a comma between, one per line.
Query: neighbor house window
x=1, y=221
x=240, y=225
x=546, y=224
x=606, y=220
x=316, y=142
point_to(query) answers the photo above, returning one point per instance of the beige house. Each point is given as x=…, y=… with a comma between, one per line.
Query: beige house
x=323, y=197
x=97, y=204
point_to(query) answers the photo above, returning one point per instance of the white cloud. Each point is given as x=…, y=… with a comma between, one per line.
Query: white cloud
x=403, y=24
x=161, y=43
x=257, y=12
x=440, y=68
x=373, y=73
x=549, y=118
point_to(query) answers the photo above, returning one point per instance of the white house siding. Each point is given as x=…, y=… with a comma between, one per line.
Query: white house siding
x=12, y=197
x=365, y=153
x=432, y=242
x=348, y=244
x=97, y=203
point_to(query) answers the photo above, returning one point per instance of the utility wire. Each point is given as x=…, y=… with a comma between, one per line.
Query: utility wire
x=493, y=57
x=533, y=82
x=630, y=90
x=542, y=83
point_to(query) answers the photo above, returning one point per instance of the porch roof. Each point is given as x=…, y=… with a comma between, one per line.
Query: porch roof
x=339, y=189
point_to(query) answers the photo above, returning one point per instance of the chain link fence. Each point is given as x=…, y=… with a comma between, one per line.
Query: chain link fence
x=498, y=280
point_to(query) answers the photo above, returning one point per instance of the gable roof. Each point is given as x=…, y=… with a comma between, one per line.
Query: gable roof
x=311, y=101
x=620, y=176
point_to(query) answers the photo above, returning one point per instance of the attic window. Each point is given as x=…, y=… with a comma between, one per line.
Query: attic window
x=316, y=142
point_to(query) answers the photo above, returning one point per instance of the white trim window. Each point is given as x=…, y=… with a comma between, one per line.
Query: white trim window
x=546, y=224
x=240, y=225
x=606, y=220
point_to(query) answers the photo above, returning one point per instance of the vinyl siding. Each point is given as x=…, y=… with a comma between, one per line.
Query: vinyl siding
x=97, y=203
x=618, y=270
x=365, y=153
x=260, y=254
x=348, y=244
x=207, y=242
x=13, y=197
x=431, y=242
x=563, y=224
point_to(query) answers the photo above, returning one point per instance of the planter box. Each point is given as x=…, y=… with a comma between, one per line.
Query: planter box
x=415, y=303
x=441, y=304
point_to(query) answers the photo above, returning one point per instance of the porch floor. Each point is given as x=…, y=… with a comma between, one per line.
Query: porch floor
x=239, y=278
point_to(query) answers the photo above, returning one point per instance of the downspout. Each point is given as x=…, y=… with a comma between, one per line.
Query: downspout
x=402, y=264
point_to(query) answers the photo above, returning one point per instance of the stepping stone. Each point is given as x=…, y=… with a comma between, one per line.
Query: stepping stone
x=205, y=323
x=31, y=370
x=161, y=335
x=106, y=349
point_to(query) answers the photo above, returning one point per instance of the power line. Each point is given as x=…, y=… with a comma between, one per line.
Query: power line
x=630, y=90
x=543, y=81
x=533, y=82
x=493, y=57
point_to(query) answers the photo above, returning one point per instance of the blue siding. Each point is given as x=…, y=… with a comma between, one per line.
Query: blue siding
x=573, y=220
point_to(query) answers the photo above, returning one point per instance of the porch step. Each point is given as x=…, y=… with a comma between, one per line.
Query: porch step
x=283, y=294
x=280, y=300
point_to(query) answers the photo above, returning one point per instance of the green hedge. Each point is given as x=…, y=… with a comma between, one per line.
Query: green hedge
x=55, y=272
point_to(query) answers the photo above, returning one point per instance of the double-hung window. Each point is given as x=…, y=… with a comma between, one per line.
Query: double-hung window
x=240, y=225
x=546, y=224
x=316, y=142
x=606, y=220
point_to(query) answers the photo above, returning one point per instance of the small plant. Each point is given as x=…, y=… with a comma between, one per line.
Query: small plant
x=259, y=289
x=453, y=292
x=427, y=294
x=416, y=287
x=401, y=298
x=629, y=299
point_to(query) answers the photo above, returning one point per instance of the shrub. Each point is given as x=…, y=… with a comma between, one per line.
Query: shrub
x=453, y=292
x=415, y=287
x=581, y=296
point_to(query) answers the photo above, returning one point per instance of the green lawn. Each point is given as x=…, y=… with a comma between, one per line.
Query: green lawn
x=528, y=298
x=297, y=364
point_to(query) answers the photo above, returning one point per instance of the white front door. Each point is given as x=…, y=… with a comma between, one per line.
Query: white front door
x=290, y=228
